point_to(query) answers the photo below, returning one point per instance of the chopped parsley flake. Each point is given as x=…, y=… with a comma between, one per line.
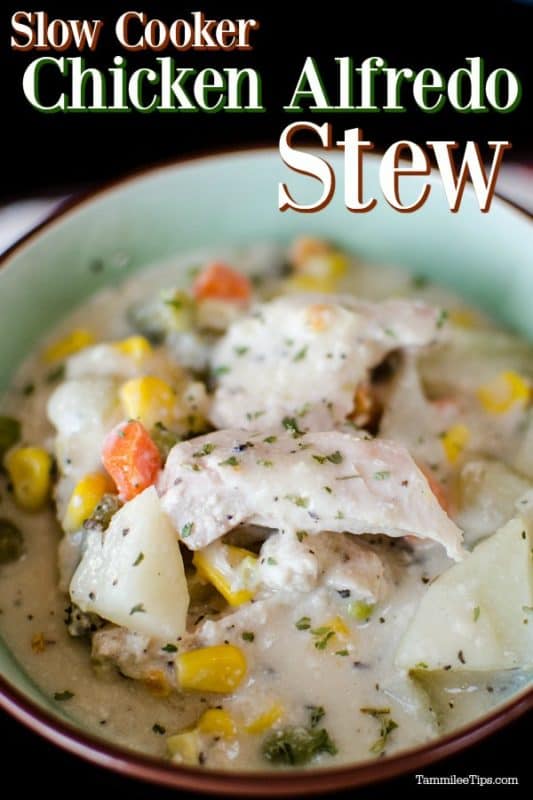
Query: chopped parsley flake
x=387, y=725
x=328, y=489
x=251, y=415
x=241, y=351
x=158, y=729
x=441, y=319
x=138, y=560
x=270, y=439
x=264, y=462
x=62, y=696
x=205, y=450
x=170, y=648
x=303, y=624
x=290, y=424
x=421, y=665
x=301, y=354
x=316, y=713
x=476, y=613
x=232, y=461
x=138, y=609
x=322, y=636
x=339, y=515
x=300, y=535
x=333, y=458
x=271, y=561
x=341, y=652
x=222, y=370
x=381, y=475
x=298, y=500
x=187, y=530
x=248, y=636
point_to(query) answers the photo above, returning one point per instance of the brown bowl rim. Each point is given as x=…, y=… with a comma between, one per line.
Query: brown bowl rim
x=132, y=764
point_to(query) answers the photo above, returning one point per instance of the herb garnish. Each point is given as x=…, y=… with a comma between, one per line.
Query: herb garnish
x=232, y=461
x=187, y=530
x=223, y=369
x=297, y=745
x=170, y=648
x=303, y=624
x=476, y=613
x=158, y=729
x=241, y=351
x=263, y=462
x=301, y=354
x=387, y=725
x=381, y=475
x=298, y=500
x=248, y=636
x=316, y=714
x=290, y=424
x=138, y=609
x=322, y=636
x=62, y=696
x=205, y=450
x=443, y=316
x=138, y=560
x=333, y=458
x=270, y=439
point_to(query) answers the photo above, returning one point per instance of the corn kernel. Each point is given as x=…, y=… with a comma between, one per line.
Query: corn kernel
x=217, y=722
x=223, y=565
x=339, y=627
x=454, y=441
x=184, y=748
x=218, y=669
x=136, y=347
x=86, y=495
x=504, y=392
x=157, y=683
x=266, y=720
x=306, y=247
x=463, y=318
x=148, y=399
x=29, y=470
x=309, y=283
x=77, y=340
x=331, y=266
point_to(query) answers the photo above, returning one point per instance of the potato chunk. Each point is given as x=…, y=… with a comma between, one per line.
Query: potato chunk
x=133, y=573
x=477, y=615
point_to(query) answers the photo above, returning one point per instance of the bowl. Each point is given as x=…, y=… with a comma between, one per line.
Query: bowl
x=98, y=239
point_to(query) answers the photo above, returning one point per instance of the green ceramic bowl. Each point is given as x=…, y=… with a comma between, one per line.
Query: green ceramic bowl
x=232, y=199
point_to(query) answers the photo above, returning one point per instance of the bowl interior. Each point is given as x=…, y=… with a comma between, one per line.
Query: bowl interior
x=233, y=200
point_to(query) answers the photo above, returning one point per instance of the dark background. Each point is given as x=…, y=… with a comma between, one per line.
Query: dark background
x=50, y=153
x=45, y=151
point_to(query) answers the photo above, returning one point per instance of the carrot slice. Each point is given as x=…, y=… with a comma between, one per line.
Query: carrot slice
x=220, y=282
x=131, y=458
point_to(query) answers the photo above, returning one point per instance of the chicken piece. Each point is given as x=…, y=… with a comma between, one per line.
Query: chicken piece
x=135, y=655
x=304, y=356
x=291, y=563
x=299, y=482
